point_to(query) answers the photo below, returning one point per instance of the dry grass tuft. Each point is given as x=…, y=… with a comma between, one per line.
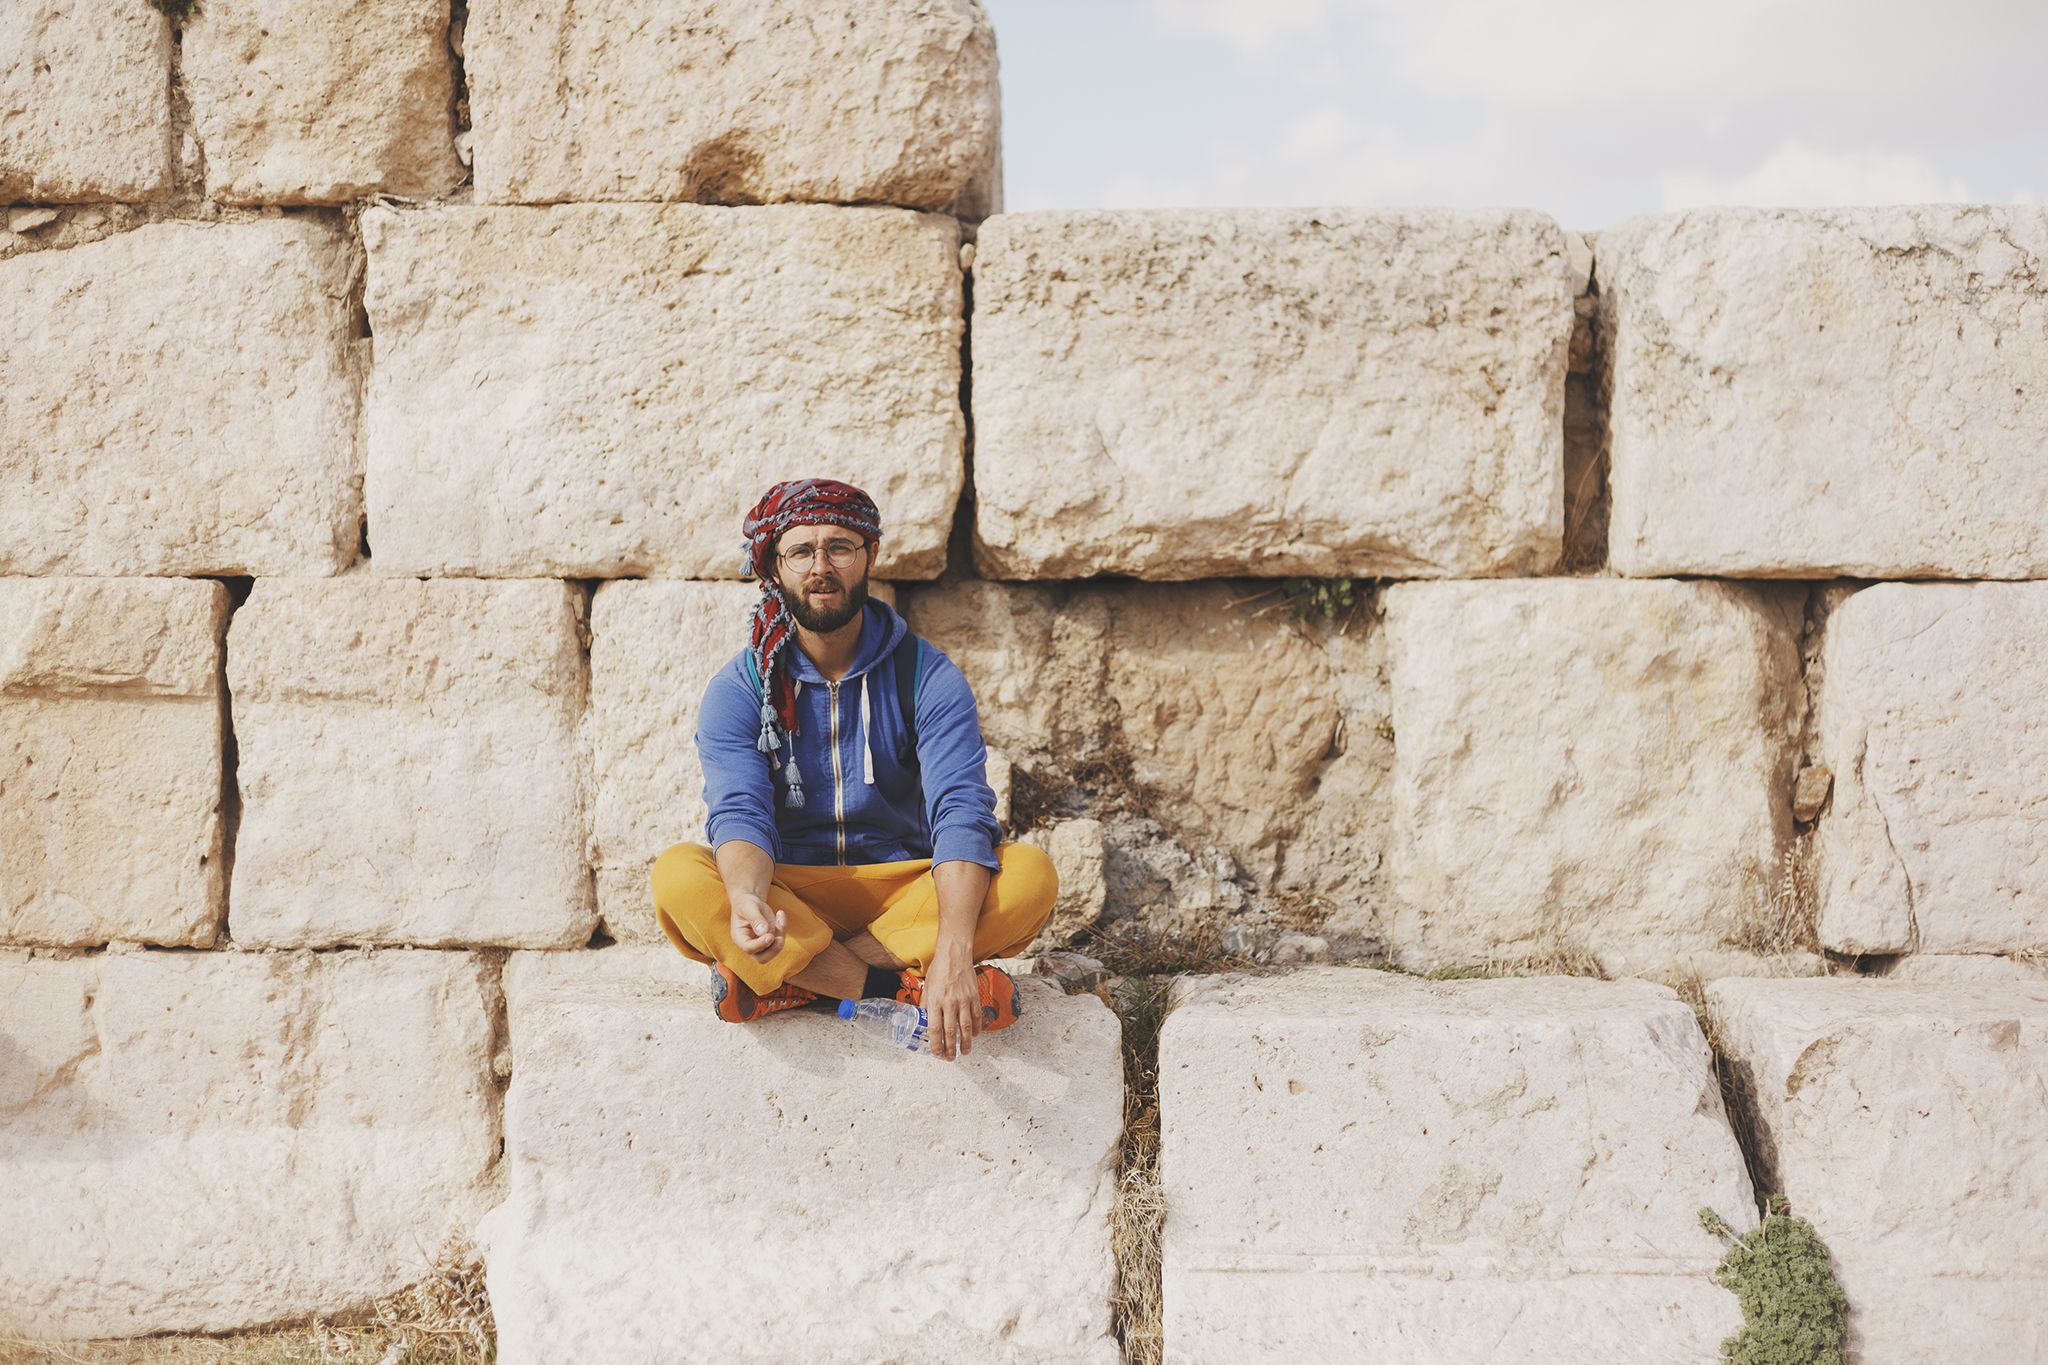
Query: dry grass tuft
x=1137, y=1220
x=1134, y=950
x=1556, y=958
x=1146, y=964
x=1553, y=959
x=445, y=1319
x=1789, y=920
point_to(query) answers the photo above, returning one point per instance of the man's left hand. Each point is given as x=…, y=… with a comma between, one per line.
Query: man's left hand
x=952, y=1006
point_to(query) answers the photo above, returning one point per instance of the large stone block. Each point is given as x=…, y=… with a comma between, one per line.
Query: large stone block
x=654, y=646
x=733, y=101
x=1363, y=1166
x=1909, y=1123
x=1844, y=391
x=1934, y=718
x=603, y=390
x=301, y=103
x=410, y=763
x=1967, y=968
x=1078, y=852
x=684, y=1189
x=201, y=1142
x=85, y=102
x=1589, y=765
x=110, y=761
x=1192, y=394
x=181, y=399
x=1219, y=716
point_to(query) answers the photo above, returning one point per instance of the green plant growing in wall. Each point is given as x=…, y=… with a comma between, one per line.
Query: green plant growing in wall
x=1793, y=1309
x=1319, y=599
x=177, y=9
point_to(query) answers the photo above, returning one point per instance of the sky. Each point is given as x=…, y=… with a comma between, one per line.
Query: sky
x=1592, y=111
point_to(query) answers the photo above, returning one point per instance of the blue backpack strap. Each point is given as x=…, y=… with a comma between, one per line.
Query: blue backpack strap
x=909, y=673
x=753, y=673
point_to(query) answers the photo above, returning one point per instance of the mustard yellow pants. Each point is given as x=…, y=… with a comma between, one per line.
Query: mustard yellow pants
x=896, y=902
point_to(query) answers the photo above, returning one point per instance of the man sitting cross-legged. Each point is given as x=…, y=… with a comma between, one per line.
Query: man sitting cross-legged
x=854, y=835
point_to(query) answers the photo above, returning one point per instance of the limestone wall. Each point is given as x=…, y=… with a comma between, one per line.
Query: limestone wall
x=383, y=388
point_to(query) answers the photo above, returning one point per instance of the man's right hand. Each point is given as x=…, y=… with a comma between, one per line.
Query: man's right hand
x=756, y=926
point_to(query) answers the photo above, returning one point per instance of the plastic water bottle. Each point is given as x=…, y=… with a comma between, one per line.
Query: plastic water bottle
x=895, y=1022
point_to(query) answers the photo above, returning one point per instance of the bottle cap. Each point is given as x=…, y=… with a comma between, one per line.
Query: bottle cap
x=846, y=1009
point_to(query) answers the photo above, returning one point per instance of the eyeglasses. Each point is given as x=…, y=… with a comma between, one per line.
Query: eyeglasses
x=838, y=553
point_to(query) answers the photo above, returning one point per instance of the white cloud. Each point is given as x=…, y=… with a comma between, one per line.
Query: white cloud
x=1519, y=54
x=1256, y=29
x=1612, y=107
x=1799, y=176
x=1324, y=157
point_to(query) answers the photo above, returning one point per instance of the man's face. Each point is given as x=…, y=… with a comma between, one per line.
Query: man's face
x=823, y=571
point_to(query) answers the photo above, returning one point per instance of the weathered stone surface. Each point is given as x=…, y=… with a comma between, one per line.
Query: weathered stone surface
x=999, y=771
x=654, y=646
x=1365, y=1166
x=1907, y=1123
x=1811, y=790
x=301, y=103
x=1260, y=744
x=734, y=101
x=661, y=1161
x=1190, y=394
x=1035, y=657
x=1962, y=968
x=1070, y=971
x=1841, y=391
x=200, y=1142
x=1294, y=949
x=1590, y=766
x=181, y=399
x=1077, y=851
x=85, y=101
x=110, y=761
x=603, y=390
x=410, y=765
x=1934, y=716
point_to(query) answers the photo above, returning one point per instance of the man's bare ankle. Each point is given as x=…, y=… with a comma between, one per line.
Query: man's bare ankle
x=869, y=949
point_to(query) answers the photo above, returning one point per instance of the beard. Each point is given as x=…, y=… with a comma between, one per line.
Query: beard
x=853, y=599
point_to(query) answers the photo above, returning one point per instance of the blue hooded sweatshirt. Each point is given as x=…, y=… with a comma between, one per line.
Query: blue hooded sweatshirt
x=867, y=798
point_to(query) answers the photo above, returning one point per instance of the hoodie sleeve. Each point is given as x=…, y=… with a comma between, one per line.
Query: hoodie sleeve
x=959, y=805
x=737, y=788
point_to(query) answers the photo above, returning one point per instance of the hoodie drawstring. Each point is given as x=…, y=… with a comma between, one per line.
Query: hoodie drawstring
x=867, y=749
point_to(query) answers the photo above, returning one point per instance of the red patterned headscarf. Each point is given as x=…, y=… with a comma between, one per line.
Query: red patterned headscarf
x=797, y=502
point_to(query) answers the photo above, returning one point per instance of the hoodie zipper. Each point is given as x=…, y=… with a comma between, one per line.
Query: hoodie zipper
x=838, y=786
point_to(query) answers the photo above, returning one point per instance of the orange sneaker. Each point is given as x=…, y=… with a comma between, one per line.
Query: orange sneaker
x=999, y=1008
x=736, y=1003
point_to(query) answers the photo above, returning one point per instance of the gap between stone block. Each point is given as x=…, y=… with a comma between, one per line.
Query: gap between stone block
x=960, y=538
x=458, y=99
x=238, y=587
x=187, y=152
x=586, y=597
x=1588, y=394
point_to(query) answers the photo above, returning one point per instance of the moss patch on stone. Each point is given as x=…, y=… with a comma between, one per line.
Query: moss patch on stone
x=1793, y=1308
